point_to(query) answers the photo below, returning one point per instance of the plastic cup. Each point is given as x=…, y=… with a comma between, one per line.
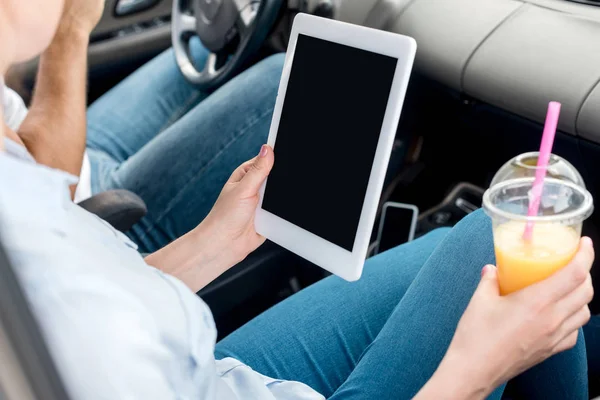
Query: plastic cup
x=556, y=228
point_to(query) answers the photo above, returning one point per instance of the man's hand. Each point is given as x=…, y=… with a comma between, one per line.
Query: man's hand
x=83, y=15
x=226, y=236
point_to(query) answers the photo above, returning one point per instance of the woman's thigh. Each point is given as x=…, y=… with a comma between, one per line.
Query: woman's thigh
x=319, y=335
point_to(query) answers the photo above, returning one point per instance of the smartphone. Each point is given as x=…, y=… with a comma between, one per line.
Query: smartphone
x=397, y=226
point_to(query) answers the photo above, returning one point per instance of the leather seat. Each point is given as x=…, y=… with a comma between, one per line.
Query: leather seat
x=120, y=208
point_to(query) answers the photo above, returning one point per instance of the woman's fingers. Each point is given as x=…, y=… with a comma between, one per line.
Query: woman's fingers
x=578, y=298
x=258, y=172
x=241, y=171
x=566, y=280
x=574, y=322
x=567, y=343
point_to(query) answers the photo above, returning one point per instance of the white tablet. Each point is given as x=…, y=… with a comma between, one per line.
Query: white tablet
x=333, y=127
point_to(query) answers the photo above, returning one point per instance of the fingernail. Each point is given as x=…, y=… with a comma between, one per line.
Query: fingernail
x=587, y=242
x=263, y=151
x=484, y=270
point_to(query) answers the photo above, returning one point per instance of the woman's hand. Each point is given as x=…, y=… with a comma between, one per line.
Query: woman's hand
x=499, y=337
x=231, y=220
x=227, y=234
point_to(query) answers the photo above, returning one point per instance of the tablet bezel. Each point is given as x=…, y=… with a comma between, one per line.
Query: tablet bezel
x=335, y=259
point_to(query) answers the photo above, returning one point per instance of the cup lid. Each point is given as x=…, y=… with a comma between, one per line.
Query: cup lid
x=569, y=215
x=525, y=165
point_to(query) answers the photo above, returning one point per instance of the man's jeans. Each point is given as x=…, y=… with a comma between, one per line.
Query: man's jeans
x=175, y=146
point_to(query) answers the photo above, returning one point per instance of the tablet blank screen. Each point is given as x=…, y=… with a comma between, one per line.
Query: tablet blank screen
x=327, y=137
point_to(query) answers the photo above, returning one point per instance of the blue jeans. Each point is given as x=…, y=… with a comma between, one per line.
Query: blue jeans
x=383, y=336
x=175, y=146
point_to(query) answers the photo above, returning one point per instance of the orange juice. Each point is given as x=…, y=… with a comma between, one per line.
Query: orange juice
x=522, y=263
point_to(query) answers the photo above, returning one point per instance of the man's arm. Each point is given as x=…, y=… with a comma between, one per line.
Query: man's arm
x=54, y=131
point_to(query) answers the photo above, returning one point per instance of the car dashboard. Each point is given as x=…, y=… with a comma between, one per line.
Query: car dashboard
x=516, y=55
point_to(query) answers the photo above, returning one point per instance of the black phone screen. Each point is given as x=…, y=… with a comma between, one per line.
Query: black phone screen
x=397, y=227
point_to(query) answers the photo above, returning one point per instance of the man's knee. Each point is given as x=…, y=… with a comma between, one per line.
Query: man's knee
x=268, y=71
x=273, y=65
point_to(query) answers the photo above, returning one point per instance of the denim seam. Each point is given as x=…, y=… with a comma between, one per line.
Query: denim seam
x=175, y=116
x=191, y=181
x=94, y=146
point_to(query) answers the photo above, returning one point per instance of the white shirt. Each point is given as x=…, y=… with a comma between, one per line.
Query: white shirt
x=116, y=327
x=15, y=112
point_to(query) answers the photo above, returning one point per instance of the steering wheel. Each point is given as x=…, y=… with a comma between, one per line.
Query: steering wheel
x=232, y=30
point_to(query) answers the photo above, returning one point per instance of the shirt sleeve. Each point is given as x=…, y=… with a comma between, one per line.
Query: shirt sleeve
x=104, y=350
x=15, y=110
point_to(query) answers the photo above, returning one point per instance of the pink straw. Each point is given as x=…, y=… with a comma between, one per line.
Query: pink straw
x=542, y=165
